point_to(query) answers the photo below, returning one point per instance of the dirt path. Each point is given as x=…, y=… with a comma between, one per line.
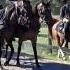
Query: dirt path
x=28, y=63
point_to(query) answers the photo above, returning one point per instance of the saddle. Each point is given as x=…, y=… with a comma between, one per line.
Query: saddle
x=60, y=26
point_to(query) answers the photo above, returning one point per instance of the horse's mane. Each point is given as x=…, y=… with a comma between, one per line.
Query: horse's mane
x=35, y=9
x=26, y=1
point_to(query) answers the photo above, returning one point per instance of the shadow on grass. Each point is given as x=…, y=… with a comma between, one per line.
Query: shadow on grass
x=23, y=55
x=43, y=66
x=29, y=63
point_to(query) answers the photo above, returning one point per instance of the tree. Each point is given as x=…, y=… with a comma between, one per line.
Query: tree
x=2, y=2
x=55, y=4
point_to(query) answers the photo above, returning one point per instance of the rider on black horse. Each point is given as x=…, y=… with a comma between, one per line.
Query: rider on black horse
x=65, y=13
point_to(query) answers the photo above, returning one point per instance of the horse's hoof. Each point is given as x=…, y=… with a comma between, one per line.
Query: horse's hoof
x=0, y=63
x=18, y=64
x=37, y=65
x=6, y=63
x=63, y=58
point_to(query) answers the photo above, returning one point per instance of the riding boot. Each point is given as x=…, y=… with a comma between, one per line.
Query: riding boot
x=66, y=30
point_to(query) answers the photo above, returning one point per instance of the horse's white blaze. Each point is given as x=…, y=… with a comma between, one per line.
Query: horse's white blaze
x=15, y=3
x=20, y=3
x=39, y=5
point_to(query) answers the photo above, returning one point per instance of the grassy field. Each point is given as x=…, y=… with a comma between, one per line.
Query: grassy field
x=42, y=46
x=42, y=36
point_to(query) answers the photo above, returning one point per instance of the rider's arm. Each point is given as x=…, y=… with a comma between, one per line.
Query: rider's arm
x=62, y=13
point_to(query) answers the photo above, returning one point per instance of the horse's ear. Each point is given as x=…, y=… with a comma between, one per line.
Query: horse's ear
x=49, y=3
x=35, y=11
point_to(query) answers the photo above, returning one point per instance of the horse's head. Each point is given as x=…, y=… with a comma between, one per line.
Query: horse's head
x=22, y=7
x=43, y=10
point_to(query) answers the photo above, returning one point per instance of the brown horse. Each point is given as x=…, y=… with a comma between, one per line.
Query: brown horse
x=43, y=11
x=59, y=37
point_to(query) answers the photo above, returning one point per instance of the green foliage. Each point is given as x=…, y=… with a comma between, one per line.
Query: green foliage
x=2, y=2
x=55, y=4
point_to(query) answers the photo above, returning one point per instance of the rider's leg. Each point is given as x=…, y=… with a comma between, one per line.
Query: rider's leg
x=66, y=30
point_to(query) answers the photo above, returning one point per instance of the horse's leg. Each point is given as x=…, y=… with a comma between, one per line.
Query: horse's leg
x=50, y=36
x=35, y=51
x=0, y=50
x=66, y=34
x=62, y=53
x=1, y=45
x=19, y=50
x=60, y=48
x=50, y=39
x=59, y=44
x=65, y=44
x=0, y=53
x=58, y=40
x=6, y=51
x=11, y=54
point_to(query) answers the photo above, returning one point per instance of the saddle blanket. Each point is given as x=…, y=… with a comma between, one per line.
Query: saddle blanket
x=60, y=28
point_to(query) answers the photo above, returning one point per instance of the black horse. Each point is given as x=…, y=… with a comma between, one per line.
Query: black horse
x=1, y=27
x=21, y=23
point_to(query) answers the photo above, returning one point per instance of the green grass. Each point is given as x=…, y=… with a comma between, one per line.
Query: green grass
x=43, y=31
x=42, y=41
x=42, y=46
x=42, y=49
